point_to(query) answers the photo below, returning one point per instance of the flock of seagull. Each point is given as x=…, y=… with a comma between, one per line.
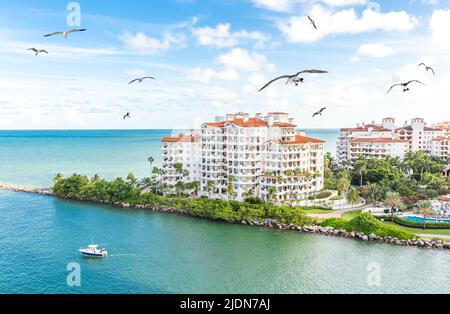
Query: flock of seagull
x=295, y=79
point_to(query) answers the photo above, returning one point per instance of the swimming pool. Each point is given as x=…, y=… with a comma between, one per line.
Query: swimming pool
x=429, y=220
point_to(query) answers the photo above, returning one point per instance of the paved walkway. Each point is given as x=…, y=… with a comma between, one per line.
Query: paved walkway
x=433, y=236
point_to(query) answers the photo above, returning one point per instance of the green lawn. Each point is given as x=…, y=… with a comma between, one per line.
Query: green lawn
x=350, y=215
x=445, y=232
x=316, y=211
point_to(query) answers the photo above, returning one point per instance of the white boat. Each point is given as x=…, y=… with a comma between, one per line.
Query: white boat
x=93, y=251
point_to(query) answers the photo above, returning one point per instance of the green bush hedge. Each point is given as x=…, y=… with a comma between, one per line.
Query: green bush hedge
x=79, y=187
x=367, y=224
x=415, y=224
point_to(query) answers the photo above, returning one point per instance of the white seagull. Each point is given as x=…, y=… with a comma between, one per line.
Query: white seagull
x=405, y=85
x=141, y=79
x=66, y=33
x=295, y=79
x=36, y=52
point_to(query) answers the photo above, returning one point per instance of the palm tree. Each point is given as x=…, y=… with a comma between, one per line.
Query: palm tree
x=352, y=196
x=210, y=186
x=95, y=178
x=151, y=160
x=271, y=193
x=394, y=201
x=131, y=179
x=196, y=187
x=343, y=185
x=58, y=178
x=230, y=188
x=361, y=169
x=425, y=209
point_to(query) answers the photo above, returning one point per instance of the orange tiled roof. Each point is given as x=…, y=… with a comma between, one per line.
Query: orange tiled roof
x=366, y=127
x=284, y=125
x=445, y=198
x=181, y=139
x=301, y=140
x=378, y=140
x=251, y=122
x=444, y=125
x=440, y=138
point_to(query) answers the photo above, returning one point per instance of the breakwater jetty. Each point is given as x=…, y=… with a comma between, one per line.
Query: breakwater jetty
x=14, y=188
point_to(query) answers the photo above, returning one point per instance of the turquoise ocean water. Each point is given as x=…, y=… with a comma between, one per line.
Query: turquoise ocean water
x=163, y=253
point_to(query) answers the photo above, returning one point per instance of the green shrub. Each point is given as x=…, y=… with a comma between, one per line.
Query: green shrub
x=336, y=198
x=81, y=188
x=336, y=223
x=368, y=224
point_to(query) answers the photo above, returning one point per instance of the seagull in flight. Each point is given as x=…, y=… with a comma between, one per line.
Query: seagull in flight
x=319, y=113
x=312, y=22
x=405, y=85
x=428, y=68
x=36, y=52
x=141, y=79
x=295, y=79
x=66, y=33
x=127, y=115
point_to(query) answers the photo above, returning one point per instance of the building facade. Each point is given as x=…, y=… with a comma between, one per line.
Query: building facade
x=238, y=155
x=383, y=140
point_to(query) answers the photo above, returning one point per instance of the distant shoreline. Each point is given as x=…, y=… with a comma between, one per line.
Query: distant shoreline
x=267, y=223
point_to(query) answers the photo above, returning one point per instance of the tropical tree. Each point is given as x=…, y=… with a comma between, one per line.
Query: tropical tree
x=352, y=196
x=425, y=210
x=343, y=185
x=95, y=178
x=210, y=186
x=230, y=188
x=361, y=169
x=58, y=178
x=394, y=201
x=271, y=193
x=151, y=160
x=131, y=179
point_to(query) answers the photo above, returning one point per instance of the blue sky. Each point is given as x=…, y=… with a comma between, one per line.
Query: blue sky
x=211, y=57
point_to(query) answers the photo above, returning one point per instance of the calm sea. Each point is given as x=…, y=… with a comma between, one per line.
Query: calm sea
x=33, y=158
x=163, y=253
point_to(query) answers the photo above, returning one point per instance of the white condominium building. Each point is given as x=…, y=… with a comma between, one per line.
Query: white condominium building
x=263, y=155
x=440, y=147
x=382, y=140
x=183, y=149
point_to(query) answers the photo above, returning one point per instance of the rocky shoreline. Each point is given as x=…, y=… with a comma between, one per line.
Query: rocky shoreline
x=269, y=223
x=18, y=189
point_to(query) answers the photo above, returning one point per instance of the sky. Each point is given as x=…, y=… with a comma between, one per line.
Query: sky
x=211, y=57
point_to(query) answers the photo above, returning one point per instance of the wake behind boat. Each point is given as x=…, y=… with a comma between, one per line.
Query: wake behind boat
x=93, y=251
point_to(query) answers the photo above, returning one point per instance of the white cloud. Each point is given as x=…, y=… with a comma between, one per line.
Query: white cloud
x=289, y=5
x=241, y=59
x=343, y=3
x=274, y=5
x=299, y=29
x=206, y=75
x=439, y=26
x=221, y=36
x=144, y=44
x=375, y=50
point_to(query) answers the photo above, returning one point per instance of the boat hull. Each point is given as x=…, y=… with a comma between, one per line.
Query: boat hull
x=92, y=254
